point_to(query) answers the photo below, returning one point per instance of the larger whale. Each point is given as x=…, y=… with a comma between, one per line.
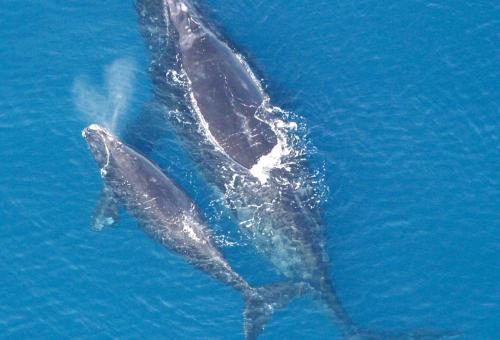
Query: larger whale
x=169, y=215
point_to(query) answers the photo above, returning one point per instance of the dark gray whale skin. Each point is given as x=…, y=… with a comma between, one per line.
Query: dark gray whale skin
x=227, y=97
x=169, y=216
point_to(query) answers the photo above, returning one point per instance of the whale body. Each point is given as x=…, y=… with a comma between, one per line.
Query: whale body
x=169, y=215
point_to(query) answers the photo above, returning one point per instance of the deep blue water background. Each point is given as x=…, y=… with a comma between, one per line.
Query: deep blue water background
x=402, y=101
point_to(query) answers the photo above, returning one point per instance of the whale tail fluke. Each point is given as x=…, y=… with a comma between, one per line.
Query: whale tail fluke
x=261, y=303
x=353, y=332
x=329, y=296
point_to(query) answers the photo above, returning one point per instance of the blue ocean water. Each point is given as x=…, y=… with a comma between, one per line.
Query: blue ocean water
x=402, y=102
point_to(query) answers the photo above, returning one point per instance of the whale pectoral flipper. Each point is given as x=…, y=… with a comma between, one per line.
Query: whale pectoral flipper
x=107, y=210
x=261, y=302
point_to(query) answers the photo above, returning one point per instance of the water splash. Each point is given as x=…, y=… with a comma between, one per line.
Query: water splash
x=105, y=104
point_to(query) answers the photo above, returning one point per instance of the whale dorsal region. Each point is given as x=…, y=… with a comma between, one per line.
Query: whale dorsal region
x=225, y=94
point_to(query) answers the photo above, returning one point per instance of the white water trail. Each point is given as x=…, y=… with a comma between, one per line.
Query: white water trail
x=105, y=104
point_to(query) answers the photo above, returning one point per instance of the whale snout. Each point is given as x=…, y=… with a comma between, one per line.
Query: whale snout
x=180, y=11
x=176, y=6
x=96, y=134
x=100, y=142
x=95, y=130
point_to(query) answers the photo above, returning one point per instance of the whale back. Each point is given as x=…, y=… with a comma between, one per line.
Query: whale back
x=227, y=97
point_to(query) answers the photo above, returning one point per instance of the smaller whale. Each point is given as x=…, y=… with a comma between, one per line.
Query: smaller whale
x=170, y=216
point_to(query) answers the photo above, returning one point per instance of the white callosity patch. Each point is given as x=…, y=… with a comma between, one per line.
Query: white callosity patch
x=96, y=127
x=102, y=132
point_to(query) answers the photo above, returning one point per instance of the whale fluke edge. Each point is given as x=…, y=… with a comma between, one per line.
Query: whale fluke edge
x=261, y=304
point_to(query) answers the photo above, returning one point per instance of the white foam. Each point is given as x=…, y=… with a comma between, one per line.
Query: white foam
x=184, y=8
x=262, y=169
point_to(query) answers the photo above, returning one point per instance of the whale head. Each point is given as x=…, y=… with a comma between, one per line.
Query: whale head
x=183, y=16
x=102, y=144
x=177, y=7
